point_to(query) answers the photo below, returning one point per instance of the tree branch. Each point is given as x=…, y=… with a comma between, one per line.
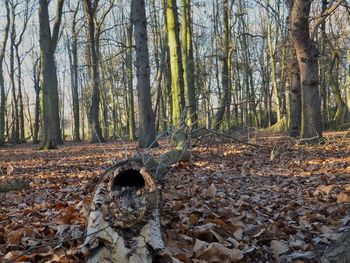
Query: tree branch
x=324, y=16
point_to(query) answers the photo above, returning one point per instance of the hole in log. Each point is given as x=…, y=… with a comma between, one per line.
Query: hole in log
x=128, y=178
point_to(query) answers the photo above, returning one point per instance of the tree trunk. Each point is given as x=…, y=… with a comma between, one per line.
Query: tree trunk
x=307, y=54
x=131, y=113
x=2, y=84
x=49, y=83
x=15, y=117
x=36, y=75
x=94, y=123
x=147, y=133
x=340, y=114
x=294, y=99
x=226, y=80
x=177, y=91
x=20, y=97
x=74, y=79
x=188, y=63
x=294, y=113
x=272, y=40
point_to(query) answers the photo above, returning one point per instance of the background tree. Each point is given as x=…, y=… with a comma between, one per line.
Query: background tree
x=48, y=74
x=188, y=63
x=2, y=84
x=73, y=60
x=146, y=115
x=177, y=83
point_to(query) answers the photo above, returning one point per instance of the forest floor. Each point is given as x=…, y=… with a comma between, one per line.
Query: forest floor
x=274, y=200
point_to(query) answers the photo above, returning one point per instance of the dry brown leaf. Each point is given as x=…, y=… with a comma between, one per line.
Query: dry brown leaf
x=67, y=219
x=193, y=219
x=343, y=197
x=325, y=188
x=14, y=236
x=216, y=252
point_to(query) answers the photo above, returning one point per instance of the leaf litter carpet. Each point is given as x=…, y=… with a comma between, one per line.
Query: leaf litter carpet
x=274, y=200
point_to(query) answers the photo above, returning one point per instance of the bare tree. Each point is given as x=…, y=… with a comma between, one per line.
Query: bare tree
x=2, y=84
x=49, y=83
x=146, y=116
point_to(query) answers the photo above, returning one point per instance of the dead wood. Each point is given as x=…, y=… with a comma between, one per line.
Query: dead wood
x=339, y=251
x=123, y=225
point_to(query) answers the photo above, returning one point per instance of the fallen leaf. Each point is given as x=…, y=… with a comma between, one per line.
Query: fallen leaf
x=325, y=188
x=238, y=234
x=14, y=236
x=343, y=197
x=216, y=252
x=278, y=247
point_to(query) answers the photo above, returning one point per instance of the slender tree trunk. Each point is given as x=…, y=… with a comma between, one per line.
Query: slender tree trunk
x=340, y=114
x=2, y=84
x=20, y=97
x=74, y=79
x=226, y=80
x=147, y=132
x=15, y=117
x=36, y=71
x=307, y=54
x=188, y=63
x=294, y=98
x=49, y=83
x=272, y=40
x=94, y=122
x=131, y=107
x=294, y=94
x=177, y=91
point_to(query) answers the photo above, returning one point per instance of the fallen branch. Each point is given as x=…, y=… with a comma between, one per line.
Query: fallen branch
x=234, y=138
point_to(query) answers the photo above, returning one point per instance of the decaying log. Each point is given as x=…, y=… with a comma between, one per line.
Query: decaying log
x=339, y=251
x=123, y=225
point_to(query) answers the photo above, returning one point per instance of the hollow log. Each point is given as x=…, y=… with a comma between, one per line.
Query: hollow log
x=124, y=220
x=123, y=225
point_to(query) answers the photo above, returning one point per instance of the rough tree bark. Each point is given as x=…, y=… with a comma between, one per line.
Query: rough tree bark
x=307, y=54
x=124, y=220
x=339, y=251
